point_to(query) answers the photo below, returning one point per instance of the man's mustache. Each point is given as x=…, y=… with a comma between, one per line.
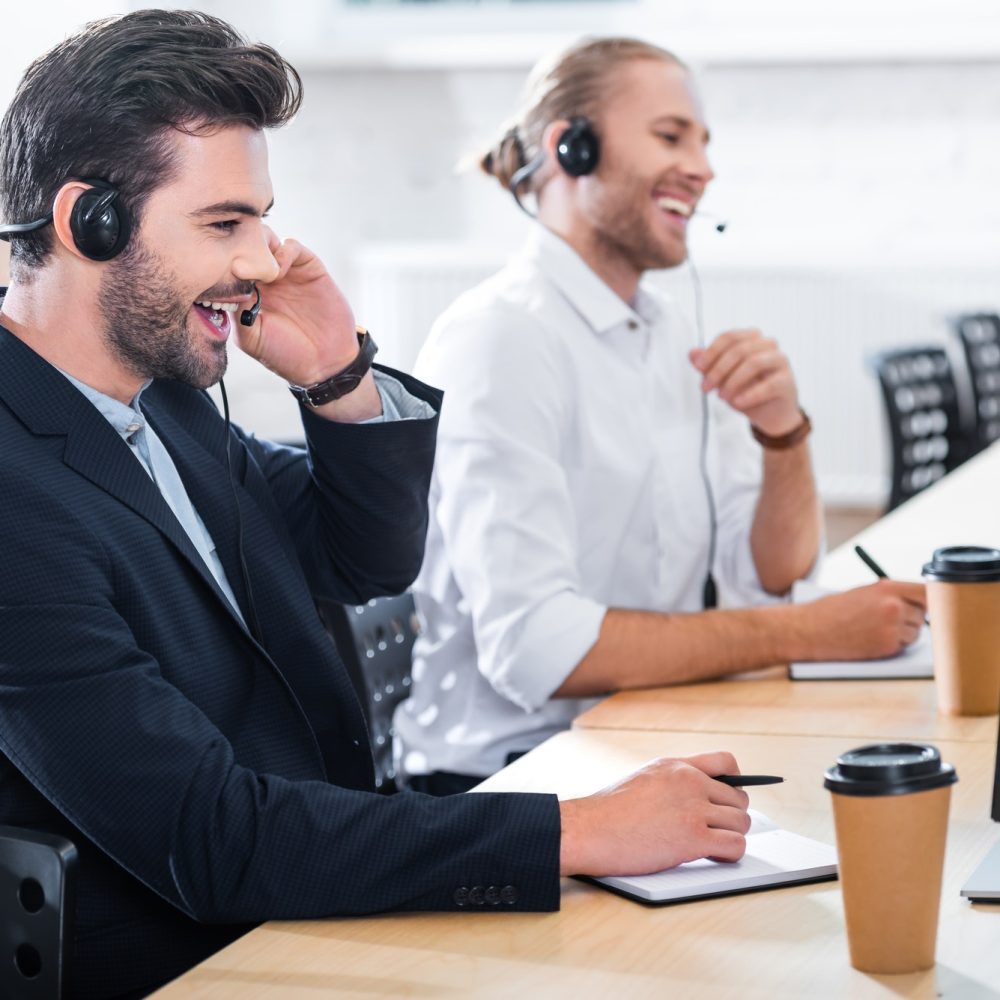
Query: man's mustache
x=218, y=294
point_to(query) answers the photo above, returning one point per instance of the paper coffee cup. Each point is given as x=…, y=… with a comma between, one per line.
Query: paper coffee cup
x=963, y=597
x=890, y=810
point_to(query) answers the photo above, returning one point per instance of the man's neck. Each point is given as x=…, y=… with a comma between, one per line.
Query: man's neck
x=66, y=336
x=608, y=264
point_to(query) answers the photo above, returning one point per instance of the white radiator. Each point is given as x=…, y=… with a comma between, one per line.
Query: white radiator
x=828, y=322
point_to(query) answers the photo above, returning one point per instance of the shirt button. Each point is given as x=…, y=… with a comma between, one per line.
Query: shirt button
x=476, y=895
x=508, y=894
x=461, y=895
x=633, y=324
x=493, y=895
x=133, y=427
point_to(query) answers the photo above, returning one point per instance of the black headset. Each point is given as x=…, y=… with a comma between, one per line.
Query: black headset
x=100, y=222
x=578, y=151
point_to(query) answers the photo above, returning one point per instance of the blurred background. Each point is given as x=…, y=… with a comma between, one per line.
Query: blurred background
x=856, y=145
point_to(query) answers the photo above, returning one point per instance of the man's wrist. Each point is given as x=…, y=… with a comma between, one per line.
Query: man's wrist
x=342, y=382
x=781, y=442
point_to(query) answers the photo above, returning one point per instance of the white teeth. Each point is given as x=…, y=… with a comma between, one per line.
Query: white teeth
x=219, y=306
x=675, y=205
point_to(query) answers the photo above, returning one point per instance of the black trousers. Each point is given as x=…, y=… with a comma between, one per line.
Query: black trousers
x=450, y=783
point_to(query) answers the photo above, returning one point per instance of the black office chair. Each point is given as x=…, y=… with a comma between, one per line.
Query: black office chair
x=921, y=404
x=375, y=640
x=979, y=334
x=36, y=913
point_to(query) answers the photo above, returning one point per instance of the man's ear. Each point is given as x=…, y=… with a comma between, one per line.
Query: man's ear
x=550, y=139
x=62, y=210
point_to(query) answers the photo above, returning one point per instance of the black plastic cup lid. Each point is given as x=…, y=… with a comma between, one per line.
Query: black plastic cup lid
x=889, y=769
x=964, y=564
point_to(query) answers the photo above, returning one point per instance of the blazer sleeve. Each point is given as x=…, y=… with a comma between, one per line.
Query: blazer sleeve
x=94, y=723
x=356, y=507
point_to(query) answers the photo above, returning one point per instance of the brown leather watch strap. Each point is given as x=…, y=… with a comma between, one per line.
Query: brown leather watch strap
x=344, y=381
x=778, y=442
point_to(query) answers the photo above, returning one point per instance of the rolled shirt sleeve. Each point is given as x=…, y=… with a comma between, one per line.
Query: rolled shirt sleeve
x=505, y=515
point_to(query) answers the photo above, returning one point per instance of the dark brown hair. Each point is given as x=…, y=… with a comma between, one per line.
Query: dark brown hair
x=574, y=82
x=101, y=103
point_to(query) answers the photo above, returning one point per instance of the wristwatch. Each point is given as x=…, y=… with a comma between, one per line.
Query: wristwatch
x=344, y=381
x=779, y=442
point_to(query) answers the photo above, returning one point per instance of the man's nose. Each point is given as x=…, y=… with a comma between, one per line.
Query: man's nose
x=255, y=262
x=696, y=165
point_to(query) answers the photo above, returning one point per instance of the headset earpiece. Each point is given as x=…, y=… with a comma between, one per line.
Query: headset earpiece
x=99, y=222
x=578, y=148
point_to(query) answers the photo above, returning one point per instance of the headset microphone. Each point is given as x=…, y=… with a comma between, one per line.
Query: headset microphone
x=720, y=224
x=249, y=316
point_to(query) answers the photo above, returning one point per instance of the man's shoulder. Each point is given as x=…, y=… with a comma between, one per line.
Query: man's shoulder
x=514, y=290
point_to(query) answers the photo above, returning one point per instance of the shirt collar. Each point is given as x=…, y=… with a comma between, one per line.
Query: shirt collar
x=126, y=419
x=601, y=308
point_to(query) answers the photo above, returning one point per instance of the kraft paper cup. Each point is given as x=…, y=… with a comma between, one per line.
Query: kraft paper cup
x=890, y=809
x=963, y=597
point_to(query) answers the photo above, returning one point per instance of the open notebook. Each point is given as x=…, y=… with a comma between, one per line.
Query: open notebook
x=774, y=857
x=916, y=661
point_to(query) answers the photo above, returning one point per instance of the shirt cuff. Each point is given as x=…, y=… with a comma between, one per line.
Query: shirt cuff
x=549, y=644
x=397, y=403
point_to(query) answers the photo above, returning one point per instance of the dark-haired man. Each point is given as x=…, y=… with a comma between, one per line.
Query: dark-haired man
x=168, y=697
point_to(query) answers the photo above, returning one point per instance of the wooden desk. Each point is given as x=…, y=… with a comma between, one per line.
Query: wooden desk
x=963, y=508
x=786, y=943
x=768, y=702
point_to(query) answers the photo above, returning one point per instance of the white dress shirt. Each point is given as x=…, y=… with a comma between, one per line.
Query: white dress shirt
x=566, y=483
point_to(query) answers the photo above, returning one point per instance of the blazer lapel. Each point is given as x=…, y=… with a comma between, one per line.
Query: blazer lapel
x=48, y=404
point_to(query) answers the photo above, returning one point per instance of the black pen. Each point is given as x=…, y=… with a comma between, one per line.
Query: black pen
x=739, y=780
x=870, y=563
x=876, y=569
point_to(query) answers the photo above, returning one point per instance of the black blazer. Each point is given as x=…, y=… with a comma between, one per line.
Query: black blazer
x=207, y=778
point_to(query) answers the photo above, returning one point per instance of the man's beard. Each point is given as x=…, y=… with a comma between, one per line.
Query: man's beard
x=146, y=324
x=621, y=222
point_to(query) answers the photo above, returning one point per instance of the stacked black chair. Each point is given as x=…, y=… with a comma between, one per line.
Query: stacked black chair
x=921, y=403
x=375, y=641
x=36, y=913
x=979, y=334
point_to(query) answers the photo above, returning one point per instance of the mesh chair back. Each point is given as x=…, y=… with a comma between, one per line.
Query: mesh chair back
x=36, y=911
x=979, y=334
x=921, y=404
x=375, y=641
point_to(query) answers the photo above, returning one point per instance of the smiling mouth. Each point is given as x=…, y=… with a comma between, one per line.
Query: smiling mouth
x=217, y=314
x=676, y=207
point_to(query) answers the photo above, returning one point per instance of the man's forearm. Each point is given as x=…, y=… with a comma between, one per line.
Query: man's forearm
x=785, y=535
x=647, y=648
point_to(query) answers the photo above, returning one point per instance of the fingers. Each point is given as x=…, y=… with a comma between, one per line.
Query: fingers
x=713, y=762
x=726, y=352
x=912, y=593
x=753, y=368
x=776, y=385
x=725, y=845
x=285, y=253
x=749, y=372
x=725, y=342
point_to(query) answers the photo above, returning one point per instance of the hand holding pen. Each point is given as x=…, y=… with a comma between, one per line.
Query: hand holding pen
x=876, y=569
